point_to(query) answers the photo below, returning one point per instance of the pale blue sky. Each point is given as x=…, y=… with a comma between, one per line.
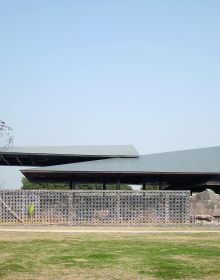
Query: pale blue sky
x=110, y=72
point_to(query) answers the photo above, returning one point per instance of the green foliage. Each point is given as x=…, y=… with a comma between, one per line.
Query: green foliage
x=31, y=209
x=151, y=187
x=26, y=185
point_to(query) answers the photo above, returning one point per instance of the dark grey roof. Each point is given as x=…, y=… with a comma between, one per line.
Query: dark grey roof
x=96, y=150
x=204, y=160
x=48, y=156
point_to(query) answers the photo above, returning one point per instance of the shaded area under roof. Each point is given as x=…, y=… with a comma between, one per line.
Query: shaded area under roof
x=52, y=155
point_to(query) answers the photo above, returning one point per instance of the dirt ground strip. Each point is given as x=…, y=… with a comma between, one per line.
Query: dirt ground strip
x=108, y=229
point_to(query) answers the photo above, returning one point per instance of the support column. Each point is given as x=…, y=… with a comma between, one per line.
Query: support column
x=144, y=186
x=118, y=185
x=72, y=185
x=70, y=208
x=167, y=208
x=118, y=207
x=104, y=187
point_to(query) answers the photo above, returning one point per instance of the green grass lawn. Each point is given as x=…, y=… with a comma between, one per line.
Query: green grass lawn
x=109, y=256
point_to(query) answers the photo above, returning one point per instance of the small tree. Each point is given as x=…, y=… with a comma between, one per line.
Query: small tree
x=31, y=209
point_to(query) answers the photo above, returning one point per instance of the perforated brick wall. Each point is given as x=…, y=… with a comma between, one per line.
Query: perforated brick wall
x=95, y=207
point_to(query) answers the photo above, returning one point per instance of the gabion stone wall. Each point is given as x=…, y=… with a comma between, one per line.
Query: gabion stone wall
x=94, y=207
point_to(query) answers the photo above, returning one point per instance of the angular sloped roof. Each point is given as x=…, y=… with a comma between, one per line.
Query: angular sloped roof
x=93, y=150
x=46, y=156
x=204, y=160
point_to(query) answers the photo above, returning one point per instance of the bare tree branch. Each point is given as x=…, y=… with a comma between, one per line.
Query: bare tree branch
x=2, y=184
x=6, y=137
